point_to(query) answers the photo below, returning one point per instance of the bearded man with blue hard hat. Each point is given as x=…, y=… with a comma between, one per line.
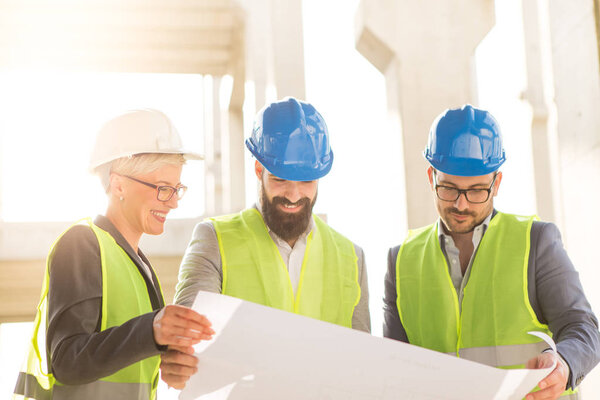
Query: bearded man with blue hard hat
x=278, y=253
x=476, y=281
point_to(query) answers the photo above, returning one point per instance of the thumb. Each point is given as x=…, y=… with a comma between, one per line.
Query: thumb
x=532, y=363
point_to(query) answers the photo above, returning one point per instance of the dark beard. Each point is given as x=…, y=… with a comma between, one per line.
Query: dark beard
x=469, y=213
x=287, y=226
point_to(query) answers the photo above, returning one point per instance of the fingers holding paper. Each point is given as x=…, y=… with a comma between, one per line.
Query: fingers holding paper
x=177, y=364
x=176, y=325
x=553, y=385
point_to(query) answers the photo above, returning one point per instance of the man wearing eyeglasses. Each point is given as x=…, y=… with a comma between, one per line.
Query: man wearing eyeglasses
x=476, y=281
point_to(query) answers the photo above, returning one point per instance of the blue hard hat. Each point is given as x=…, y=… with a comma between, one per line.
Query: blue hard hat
x=465, y=142
x=291, y=140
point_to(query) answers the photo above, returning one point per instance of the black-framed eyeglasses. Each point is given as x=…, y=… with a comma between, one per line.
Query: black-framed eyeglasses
x=476, y=196
x=163, y=193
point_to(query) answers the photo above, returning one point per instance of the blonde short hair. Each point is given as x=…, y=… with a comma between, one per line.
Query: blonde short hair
x=137, y=164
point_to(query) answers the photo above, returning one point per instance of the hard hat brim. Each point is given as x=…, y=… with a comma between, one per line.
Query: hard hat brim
x=464, y=166
x=292, y=172
x=187, y=155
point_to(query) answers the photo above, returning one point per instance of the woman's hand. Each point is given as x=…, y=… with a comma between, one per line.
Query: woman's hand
x=176, y=325
x=177, y=365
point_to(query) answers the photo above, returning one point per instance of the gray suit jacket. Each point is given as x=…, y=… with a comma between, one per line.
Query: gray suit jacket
x=555, y=293
x=201, y=269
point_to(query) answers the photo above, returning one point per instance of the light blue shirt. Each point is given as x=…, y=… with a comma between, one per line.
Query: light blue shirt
x=452, y=253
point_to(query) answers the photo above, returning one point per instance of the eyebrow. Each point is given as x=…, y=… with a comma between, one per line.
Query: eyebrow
x=163, y=183
x=474, y=186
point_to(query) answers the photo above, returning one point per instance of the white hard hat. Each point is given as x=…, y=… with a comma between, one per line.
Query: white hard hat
x=136, y=132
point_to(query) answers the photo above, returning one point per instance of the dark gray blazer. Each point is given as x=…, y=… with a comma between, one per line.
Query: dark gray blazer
x=555, y=293
x=78, y=351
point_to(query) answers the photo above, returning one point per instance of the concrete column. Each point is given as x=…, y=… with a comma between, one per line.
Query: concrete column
x=219, y=130
x=224, y=132
x=539, y=95
x=258, y=48
x=234, y=164
x=274, y=49
x=575, y=48
x=233, y=143
x=288, y=48
x=212, y=147
x=425, y=50
x=2, y=132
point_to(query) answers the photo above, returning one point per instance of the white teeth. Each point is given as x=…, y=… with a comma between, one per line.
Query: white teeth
x=159, y=214
x=290, y=205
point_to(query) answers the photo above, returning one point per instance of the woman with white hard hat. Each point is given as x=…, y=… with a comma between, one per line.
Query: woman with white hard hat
x=102, y=316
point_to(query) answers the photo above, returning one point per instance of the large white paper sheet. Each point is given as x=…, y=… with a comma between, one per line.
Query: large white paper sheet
x=263, y=353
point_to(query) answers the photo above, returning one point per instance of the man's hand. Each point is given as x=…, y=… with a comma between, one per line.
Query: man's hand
x=177, y=365
x=552, y=386
x=180, y=326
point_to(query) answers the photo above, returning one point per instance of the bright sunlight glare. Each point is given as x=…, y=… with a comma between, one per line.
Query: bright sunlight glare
x=48, y=125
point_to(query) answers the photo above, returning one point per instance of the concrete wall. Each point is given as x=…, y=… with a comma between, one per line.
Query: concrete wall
x=21, y=284
x=426, y=52
x=574, y=41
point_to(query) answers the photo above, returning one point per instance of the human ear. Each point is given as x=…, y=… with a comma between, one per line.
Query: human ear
x=117, y=188
x=497, y=183
x=258, y=169
x=430, y=176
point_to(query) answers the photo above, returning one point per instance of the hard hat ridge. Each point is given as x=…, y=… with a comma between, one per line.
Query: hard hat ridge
x=465, y=142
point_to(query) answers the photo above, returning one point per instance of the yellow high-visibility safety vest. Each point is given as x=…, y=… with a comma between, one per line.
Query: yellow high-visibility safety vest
x=124, y=296
x=253, y=269
x=492, y=324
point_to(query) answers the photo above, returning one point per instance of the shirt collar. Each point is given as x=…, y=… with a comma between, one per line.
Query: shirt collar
x=481, y=227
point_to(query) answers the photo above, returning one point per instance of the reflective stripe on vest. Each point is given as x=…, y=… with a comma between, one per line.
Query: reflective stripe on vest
x=570, y=396
x=29, y=388
x=507, y=355
x=253, y=269
x=496, y=314
x=105, y=390
x=124, y=296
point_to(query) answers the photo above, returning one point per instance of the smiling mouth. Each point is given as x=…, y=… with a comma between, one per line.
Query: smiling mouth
x=292, y=207
x=160, y=215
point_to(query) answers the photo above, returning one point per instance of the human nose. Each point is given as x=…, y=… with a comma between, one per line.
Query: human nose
x=173, y=202
x=292, y=191
x=461, y=203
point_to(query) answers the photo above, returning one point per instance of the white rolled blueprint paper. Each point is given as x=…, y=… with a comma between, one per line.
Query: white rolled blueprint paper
x=263, y=353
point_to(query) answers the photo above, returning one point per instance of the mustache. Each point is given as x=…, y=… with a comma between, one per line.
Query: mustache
x=305, y=201
x=456, y=211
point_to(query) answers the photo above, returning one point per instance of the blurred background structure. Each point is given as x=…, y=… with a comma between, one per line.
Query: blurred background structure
x=379, y=71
